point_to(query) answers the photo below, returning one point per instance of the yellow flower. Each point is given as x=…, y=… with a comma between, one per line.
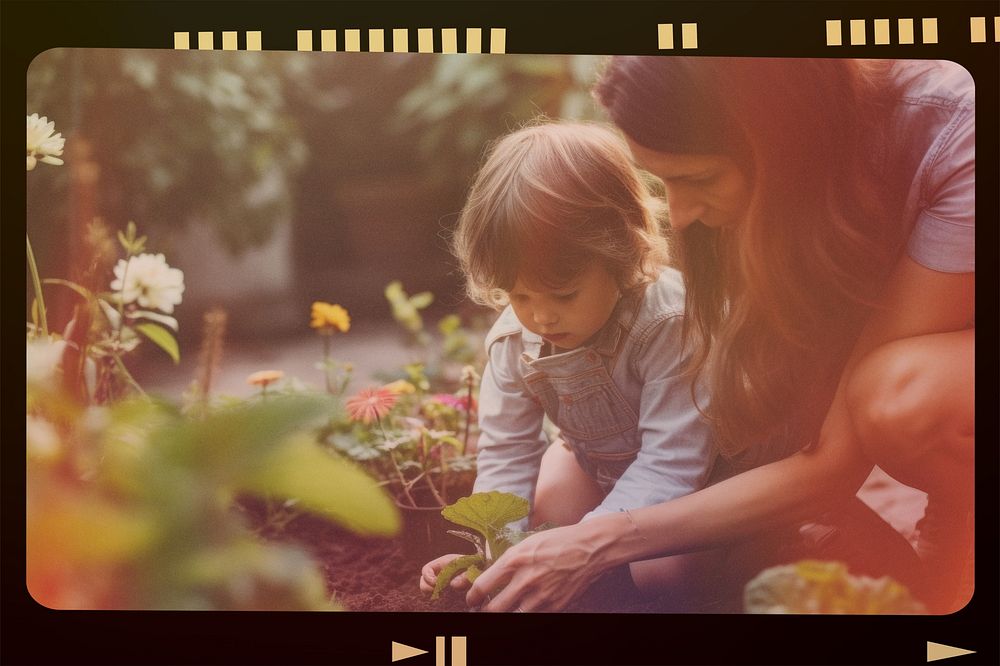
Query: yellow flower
x=326, y=318
x=400, y=386
x=264, y=377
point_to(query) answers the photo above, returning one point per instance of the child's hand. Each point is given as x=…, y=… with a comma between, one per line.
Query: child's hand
x=428, y=575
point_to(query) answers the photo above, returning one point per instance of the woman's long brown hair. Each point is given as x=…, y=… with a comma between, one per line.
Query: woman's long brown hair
x=776, y=302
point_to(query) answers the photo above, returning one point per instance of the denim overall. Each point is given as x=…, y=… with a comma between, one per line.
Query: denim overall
x=577, y=393
x=622, y=403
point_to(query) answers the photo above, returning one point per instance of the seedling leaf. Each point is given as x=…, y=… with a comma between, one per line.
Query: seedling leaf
x=452, y=569
x=488, y=513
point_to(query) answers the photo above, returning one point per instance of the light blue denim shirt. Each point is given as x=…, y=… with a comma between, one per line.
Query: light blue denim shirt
x=935, y=128
x=621, y=404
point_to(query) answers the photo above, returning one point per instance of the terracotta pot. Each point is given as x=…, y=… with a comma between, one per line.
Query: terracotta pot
x=425, y=531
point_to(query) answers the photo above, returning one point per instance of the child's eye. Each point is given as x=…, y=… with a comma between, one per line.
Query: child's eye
x=567, y=297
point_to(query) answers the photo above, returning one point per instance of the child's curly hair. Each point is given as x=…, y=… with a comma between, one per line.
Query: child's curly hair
x=550, y=199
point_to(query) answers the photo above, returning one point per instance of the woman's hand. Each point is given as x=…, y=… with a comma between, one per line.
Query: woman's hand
x=546, y=571
x=430, y=571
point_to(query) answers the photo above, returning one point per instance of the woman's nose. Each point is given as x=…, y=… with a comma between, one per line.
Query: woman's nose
x=682, y=209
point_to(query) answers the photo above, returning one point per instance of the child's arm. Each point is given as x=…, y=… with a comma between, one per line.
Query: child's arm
x=677, y=453
x=511, y=441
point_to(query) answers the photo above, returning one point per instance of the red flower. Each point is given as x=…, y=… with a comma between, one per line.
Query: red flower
x=371, y=404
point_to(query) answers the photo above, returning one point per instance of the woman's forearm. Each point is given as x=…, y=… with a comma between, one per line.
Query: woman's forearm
x=782, y=492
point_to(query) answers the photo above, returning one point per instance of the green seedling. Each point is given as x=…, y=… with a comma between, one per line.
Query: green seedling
x=489, y=514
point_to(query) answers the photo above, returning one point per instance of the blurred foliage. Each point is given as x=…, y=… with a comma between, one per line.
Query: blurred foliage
x=468, y=100
x=812, y=586
x=441, y=360
x=131, y=506
x=180, y=134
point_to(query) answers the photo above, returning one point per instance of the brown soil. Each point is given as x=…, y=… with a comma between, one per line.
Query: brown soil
x=374, y=574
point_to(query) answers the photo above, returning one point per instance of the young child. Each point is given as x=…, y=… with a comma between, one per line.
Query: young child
x=560, y=231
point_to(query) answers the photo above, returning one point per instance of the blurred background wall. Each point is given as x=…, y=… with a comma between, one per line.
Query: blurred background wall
x=275, y=179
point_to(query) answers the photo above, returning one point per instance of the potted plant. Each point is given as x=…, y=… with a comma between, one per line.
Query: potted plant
x=418, y=445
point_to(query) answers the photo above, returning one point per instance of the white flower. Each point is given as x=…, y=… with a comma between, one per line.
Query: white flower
x=43, y=358
x=148, y=281
x=43, y=439
x=42, y=143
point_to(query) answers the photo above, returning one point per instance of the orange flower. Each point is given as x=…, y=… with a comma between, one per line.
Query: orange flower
x=371, y=404
x=264, y=378
x=327, y=317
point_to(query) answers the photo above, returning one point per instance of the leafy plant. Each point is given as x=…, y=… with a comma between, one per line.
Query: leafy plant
x=180, y=135
x=406, y=309
x=159, y=487
x=108, y=324
x=812, y=586
x=488, y=514
x=408, y=440
x=458, y=346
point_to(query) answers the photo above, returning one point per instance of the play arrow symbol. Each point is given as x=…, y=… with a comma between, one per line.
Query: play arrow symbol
x=401, y=651
x=937, y=651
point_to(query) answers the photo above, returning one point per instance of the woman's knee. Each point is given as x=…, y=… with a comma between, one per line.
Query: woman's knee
x=898, y=406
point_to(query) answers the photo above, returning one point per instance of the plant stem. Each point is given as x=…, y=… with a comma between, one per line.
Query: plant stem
x=37, y=284
x=326, y=363
x=402, y=480
x=128, y=375
x=437, y=496
x=468, y=417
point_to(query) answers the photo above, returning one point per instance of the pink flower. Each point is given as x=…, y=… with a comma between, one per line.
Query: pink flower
x=449, y=400
x=371, y=404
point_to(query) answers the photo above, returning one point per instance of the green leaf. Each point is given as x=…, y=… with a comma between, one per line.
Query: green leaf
x=325, y=485
x=422, y=300
x=449, y=324
x=162, y=338
x=488, y=513
x=452, y=569
x=166, y=320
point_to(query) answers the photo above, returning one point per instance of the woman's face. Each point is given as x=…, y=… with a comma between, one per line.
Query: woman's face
x=710, y=189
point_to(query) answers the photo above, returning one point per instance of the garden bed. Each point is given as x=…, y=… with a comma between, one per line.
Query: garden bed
x=373, y=574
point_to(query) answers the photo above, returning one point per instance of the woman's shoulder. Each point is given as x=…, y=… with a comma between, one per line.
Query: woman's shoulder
x=934, y=82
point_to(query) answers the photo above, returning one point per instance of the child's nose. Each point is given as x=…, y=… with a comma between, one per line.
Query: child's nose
x=545, y=317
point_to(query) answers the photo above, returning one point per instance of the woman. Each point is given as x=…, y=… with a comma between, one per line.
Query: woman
x=823, y=212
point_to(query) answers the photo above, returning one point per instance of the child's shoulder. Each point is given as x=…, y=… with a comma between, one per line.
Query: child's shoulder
x=505, y=326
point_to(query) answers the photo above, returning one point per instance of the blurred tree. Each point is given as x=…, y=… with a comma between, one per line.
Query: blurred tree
x=175, y=135
x=470, y=99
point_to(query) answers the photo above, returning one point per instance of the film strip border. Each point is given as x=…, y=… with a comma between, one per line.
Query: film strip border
x=905, y=33
x=330, y=40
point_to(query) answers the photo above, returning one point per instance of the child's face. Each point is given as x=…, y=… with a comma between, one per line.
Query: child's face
x=569, y=316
